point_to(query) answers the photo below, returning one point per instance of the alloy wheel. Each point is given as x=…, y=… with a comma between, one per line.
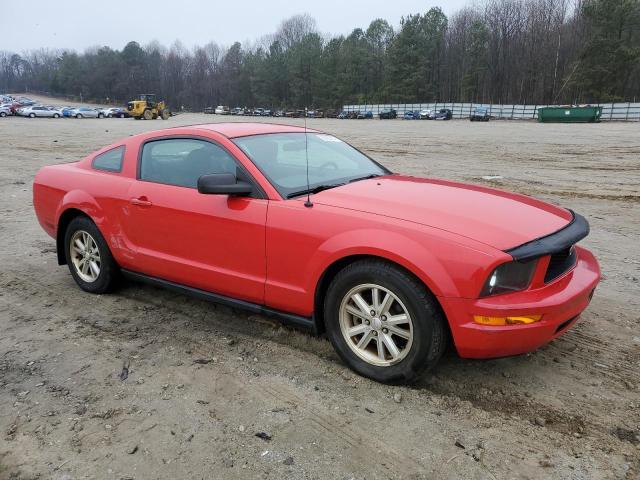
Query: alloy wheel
x=85, y=256
x=376, y=325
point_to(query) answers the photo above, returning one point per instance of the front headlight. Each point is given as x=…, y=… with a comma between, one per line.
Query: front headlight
x=509, y=277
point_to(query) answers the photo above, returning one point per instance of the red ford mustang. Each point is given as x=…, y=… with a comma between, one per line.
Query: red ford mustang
x=306, y=228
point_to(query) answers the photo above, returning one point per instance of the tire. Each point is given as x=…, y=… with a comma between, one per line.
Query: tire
x=79, y=115
x=55, y=115
x=100, y=115
x=32, y=115
x=108, y=271
x=165, y=114
x=2, y=114
x=148, y=115
x=426, y=332
x=110, y=116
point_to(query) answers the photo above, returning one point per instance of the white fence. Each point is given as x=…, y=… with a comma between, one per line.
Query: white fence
x=610, y=111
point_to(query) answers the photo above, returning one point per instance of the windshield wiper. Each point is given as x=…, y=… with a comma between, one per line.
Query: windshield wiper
x=373, y=175
x=316, y=189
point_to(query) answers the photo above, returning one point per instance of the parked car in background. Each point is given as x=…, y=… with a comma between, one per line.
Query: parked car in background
x=86, y=112
x=67, y=111
x=237, y=111
x=411, y=115
x=392, y=267
x=115, y=112
x=342, y=115
x=331, y=113
x=209, y=110
x=441, y=114
x=222, y=110
x=266, y=112
x=315, y=113
x=424, y=114
x=365, y=115
x=258, y=112
x=278, y=113
x=5, y=110
x=388, y=114
x=480, y=114
x=39, y=111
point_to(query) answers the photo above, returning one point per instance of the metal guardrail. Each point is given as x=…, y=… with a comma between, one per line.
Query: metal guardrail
x=624, y=111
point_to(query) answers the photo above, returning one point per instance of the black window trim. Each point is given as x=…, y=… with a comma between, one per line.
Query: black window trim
x=316, y=132
x=111, y=170
x=259, y=191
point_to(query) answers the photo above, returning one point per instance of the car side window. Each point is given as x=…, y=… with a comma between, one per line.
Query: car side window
x=181, y=161
x=111, y=161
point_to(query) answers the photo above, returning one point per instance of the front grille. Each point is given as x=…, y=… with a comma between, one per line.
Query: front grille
x=559, y=263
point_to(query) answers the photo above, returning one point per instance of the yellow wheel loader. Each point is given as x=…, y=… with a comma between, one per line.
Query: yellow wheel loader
x=147, y=107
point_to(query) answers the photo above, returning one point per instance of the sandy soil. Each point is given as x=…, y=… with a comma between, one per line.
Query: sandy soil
x=203, y=380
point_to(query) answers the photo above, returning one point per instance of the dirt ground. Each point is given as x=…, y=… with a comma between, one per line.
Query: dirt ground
x=203, y=380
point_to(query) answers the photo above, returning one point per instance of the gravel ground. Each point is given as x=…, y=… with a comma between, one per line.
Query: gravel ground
x=217, y=393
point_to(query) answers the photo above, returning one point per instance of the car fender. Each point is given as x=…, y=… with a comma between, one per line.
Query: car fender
x=414, y=257
x=86, y=203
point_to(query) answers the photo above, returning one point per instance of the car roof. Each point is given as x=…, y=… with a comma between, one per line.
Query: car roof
x=243, y=129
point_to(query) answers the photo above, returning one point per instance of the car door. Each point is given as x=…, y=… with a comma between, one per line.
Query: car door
x=211, y=242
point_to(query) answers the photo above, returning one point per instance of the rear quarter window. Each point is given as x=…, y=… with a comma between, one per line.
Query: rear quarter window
x=110, y=161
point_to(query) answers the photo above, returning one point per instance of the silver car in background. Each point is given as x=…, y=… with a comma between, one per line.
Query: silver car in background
x=5, y=110
x=86, y=112
x=34, y=111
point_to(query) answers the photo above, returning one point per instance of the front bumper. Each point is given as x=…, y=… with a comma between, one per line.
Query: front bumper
x=560, y=303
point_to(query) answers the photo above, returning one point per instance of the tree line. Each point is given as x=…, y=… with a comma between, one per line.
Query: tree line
x=496, y=51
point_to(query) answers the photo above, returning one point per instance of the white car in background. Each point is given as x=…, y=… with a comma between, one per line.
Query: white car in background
x=86, y=112
x=5, y=110
x=222, y=110
x=34, y=111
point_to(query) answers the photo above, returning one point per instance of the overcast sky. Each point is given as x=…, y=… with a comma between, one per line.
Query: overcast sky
x=79, y=24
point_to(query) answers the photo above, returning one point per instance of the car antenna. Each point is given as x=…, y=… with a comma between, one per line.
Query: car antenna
x=308, y=203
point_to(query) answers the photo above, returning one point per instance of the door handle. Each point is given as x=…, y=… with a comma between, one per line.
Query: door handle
x=141, y=201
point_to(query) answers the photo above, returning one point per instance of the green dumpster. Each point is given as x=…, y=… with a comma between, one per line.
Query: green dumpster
x=569, y=114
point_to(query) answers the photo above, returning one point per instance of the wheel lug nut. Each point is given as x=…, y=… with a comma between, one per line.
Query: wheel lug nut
x=383, y=318
x=384, y=330
x=375, y=334
x=373, y=313
x=367, y=322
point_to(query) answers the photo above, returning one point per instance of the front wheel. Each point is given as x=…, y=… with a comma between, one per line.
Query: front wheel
x=88, y=257
x=2, y=114
x=383, y=322
x=100, y=115
x=148, y=115
x=79, y=115
x=55, y=115
x=32, y=115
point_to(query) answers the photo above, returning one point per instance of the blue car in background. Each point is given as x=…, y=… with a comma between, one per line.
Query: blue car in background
x=66, y=111
x=411, y=115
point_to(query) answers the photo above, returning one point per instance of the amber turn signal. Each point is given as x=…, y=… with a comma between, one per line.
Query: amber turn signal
x=514, y=320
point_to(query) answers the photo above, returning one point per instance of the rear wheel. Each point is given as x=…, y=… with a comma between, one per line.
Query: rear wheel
x=55, y=115
x=88, y=257
x=79, y=115
x=165, y=114
x=3, y=114
x=32, y=115
x=383, y=322
x=100, y=115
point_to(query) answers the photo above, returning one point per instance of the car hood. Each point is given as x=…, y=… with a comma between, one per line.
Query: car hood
x=500, y=219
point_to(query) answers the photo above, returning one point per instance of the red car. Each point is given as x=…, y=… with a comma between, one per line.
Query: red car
x=306, y=228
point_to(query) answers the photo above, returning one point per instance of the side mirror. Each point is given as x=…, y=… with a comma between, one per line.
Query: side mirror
x=223, y=184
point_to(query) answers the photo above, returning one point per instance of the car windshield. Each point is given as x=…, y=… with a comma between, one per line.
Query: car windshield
x=281, y=158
